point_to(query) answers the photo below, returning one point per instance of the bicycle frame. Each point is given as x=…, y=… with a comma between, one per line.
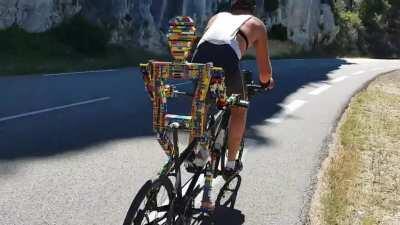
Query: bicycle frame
x=217, y=122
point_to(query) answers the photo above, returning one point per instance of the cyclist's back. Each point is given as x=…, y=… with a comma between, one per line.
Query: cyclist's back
x=227, y=37
x=224, y=29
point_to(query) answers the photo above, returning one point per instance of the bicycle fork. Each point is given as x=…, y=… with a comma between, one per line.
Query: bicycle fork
x=178, y=182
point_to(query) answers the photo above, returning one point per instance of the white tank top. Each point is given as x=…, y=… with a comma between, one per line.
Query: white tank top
x=224, y=29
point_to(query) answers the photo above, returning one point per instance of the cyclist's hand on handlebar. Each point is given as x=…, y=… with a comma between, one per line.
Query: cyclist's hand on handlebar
x=268, y=85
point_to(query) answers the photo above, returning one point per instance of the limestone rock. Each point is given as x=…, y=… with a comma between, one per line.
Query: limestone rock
x=144, y=23
x=36, y=16
x=308, y=22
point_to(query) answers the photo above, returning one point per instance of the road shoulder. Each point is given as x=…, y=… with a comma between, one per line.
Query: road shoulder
x=359, y=182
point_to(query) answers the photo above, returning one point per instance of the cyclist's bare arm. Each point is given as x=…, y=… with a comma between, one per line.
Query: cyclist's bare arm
x=257, y=33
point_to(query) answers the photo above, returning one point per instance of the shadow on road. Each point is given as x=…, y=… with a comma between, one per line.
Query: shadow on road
x=290, y=75
x=128, y=113
x=225, y=216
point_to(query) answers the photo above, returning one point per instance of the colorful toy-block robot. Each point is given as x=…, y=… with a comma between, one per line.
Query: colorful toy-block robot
x=210, y=85
x=156, y=74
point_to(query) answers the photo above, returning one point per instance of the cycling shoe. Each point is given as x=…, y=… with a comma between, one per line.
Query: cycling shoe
x=227, y=173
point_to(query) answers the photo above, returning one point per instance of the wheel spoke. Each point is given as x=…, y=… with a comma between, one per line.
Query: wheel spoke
x=228, y=194
x=139, y=217
x=163, y=208
x=152, y=204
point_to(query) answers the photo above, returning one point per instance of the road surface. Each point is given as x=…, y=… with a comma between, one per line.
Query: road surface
x=75, y=148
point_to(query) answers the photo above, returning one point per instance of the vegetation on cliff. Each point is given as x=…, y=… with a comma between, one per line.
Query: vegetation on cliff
x=368, y=27
x=74, y=45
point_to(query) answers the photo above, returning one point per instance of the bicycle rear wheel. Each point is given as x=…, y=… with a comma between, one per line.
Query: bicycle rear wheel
x=184, y=212
x=152, y=204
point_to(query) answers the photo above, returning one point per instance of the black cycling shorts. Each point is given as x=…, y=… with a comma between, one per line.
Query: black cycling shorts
x=222, y=56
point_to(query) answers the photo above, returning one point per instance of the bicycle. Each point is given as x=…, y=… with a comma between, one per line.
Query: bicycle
x=167, y=200
x=178, y=206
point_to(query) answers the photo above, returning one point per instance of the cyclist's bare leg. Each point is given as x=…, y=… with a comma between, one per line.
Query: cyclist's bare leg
x=236, y=130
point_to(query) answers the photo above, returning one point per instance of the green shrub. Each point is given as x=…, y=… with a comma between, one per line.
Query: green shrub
x=15, y=42
x=347, y=41
x=271, y=5
x=382, y=27
x=373, y=12
x=278, y=32
x=82, y=36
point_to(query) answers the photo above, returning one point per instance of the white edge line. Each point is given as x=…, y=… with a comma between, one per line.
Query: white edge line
x=358, y=72
x=288, y=109
x=339, y=79
x=53, y=109
x=81, y=72
x=275, y=120
x=293, y=106
x=320, y=89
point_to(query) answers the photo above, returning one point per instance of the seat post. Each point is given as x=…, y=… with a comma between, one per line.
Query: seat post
x=178, y=183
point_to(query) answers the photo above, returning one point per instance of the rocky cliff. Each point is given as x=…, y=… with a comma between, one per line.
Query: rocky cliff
x=144, y=22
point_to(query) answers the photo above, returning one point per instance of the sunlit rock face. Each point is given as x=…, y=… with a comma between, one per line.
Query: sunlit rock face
x=144, y=23
x=308, y=22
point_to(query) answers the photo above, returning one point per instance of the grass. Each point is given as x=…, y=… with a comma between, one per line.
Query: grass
x=361, y=184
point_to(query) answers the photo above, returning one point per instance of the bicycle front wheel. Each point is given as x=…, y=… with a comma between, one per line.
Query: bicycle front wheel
x=152, y=205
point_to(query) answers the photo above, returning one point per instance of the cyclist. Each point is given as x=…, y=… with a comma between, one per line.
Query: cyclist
x=227, y=37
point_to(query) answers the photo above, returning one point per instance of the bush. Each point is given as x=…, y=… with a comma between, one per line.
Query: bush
x=82, y=36
x=271, y=5
x=347, y=41
x=382, y=27
x=278, y=32
x=15, y=42
x=370, y=27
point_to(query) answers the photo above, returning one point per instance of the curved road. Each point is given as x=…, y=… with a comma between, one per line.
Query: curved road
x=74, y=148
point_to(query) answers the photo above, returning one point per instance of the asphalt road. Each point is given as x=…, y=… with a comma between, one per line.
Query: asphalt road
x=75, y=148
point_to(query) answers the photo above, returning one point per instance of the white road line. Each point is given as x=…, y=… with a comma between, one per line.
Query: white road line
x=288, y=109
x=320, y=89
x=339, y=79
x=275, y=120
x=53, y=109
x=358, y=72
x=376, y=69
x=72, y=73
x=293, y=106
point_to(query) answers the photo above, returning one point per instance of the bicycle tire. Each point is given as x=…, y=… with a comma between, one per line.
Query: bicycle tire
x=149, y=192
x=228, y=194
x=186, y=217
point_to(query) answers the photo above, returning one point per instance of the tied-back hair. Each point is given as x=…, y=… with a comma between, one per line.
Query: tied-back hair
x=242, y=5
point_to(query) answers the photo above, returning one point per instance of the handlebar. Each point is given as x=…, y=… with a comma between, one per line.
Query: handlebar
x=256, y=88
x=177, y=93
x=233, y=100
